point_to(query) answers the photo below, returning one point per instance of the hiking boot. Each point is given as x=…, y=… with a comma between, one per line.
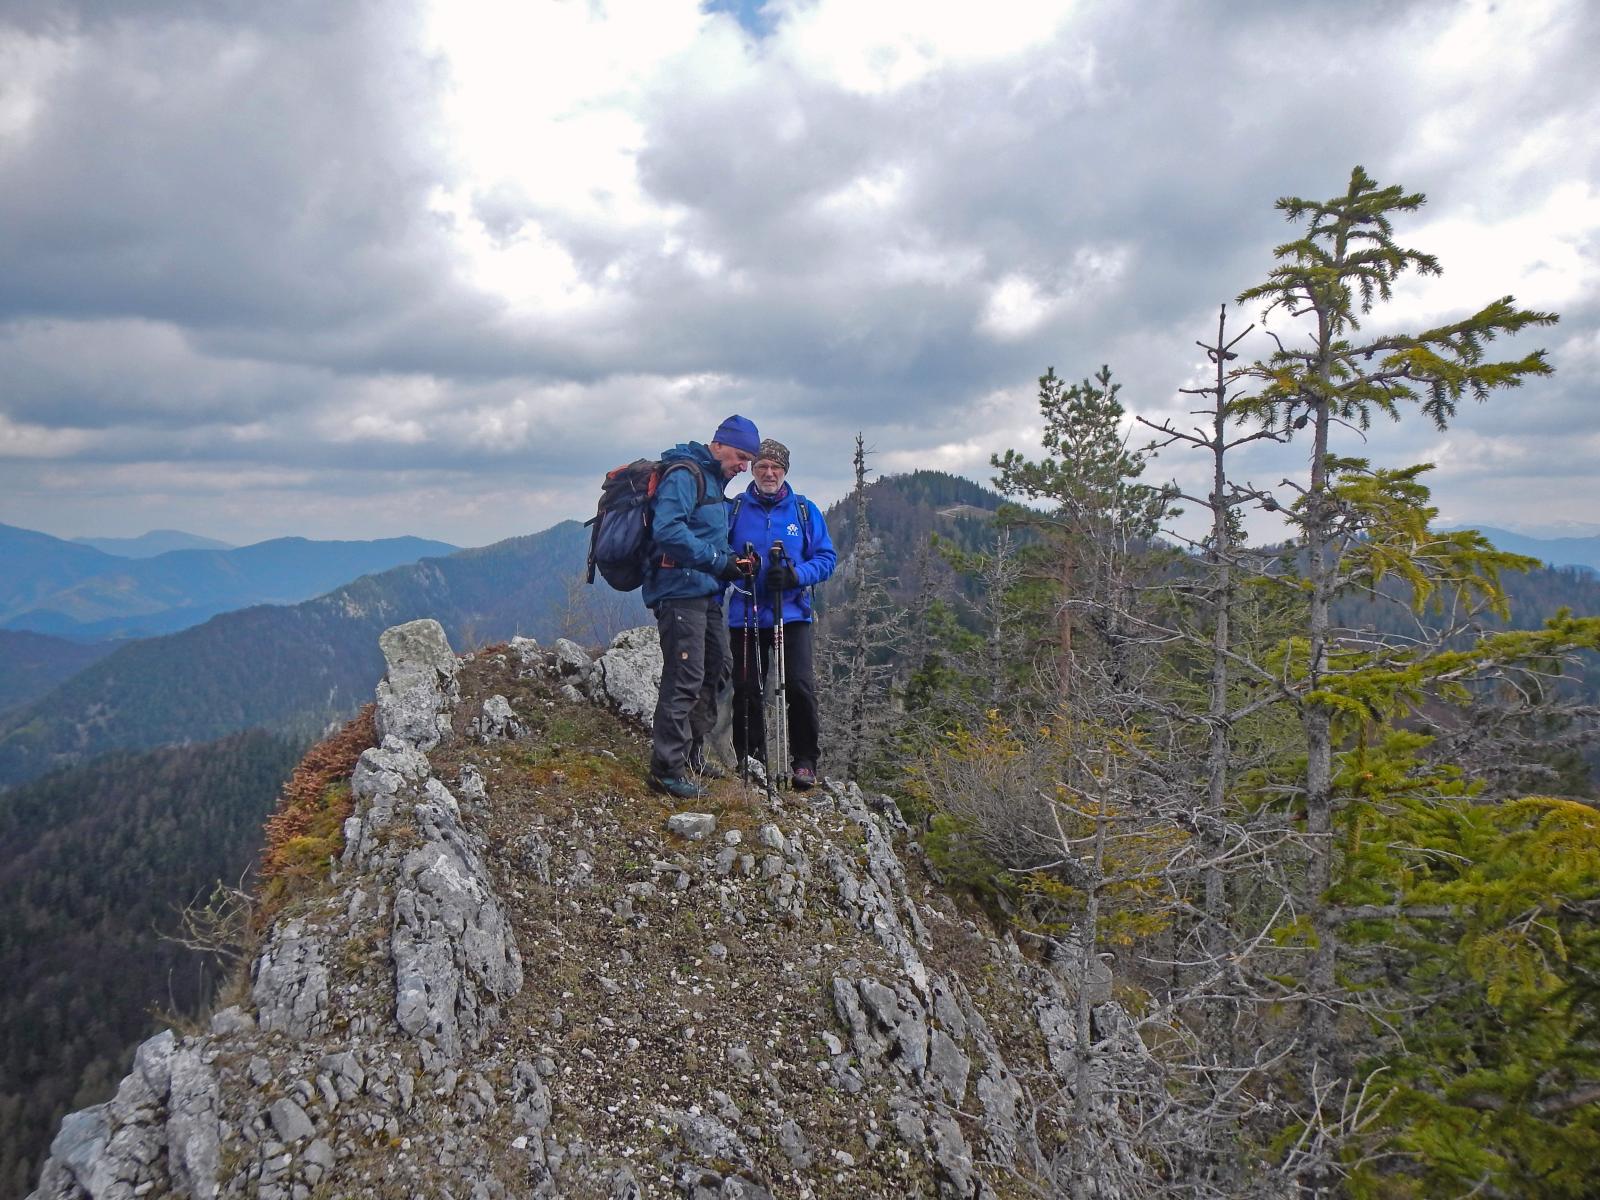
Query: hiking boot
x=675, y=786
x=805, y=778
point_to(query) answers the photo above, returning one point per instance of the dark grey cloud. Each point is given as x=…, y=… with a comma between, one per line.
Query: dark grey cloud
x=222, y=168
x=226, y=246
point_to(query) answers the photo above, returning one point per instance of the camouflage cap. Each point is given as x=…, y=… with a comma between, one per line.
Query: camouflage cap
x=775, y=451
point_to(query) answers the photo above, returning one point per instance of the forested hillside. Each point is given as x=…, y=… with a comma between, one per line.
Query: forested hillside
x=1532, y=597
x=95, y=864
x=33, y=663
x=298, y=668
x=907, y=511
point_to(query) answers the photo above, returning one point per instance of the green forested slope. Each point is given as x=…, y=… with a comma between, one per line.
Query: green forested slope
x=33, y=663
x=1533, y=597
x=95, y=863
x=904, y=511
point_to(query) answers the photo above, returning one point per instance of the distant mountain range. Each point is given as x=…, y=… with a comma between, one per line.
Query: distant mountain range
x=296, y=668
x=75, y=591
x=157, y=541
x=1555, y=552
x=38, y=565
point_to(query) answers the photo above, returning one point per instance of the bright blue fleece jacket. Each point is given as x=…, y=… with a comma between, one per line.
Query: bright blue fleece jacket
x=762, y=520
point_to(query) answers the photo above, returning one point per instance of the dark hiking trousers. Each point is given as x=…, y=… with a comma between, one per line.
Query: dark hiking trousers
x=749, y=717
x=694, y=662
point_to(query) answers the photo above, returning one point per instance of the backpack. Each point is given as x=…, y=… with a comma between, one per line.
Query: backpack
x=619, y=547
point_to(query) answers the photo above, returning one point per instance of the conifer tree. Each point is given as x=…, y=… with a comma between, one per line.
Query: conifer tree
x=1355, y=523
x=1432, y=937
x=1088, y=475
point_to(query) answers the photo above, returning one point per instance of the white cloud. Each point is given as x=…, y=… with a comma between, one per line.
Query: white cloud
x=1547, y=255
x=890, y=45
x=172, y=478
x=1016, y=308
x=872, y=196
x=28, y=65
x=23, y=440
x=541, y=111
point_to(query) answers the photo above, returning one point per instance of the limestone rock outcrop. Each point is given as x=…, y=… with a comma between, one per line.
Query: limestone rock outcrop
x=527, y=976
x=419, y=683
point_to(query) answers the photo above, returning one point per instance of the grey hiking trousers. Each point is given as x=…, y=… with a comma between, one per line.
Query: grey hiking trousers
x=694, y=670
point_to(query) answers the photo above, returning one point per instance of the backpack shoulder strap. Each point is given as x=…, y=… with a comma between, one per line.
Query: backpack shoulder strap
x=804, y=506
x=733, y=517
x=694, y=469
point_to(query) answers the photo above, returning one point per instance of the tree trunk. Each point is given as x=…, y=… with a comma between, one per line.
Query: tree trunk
x=1317, y=1023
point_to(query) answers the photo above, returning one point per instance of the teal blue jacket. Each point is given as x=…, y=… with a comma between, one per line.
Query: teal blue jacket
x=689, y=540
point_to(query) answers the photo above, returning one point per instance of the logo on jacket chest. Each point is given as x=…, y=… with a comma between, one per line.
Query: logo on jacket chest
x=793, y=530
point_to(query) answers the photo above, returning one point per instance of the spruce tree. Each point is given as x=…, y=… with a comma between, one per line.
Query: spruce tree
x=1356, y=524
x=1097, y=510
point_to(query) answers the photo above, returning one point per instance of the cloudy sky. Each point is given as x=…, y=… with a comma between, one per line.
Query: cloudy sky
x=349, y=269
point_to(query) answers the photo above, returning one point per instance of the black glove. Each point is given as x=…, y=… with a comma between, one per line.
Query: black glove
x=781, y=577
x=736, y=568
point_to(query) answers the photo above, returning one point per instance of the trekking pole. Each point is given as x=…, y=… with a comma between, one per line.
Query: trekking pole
x=754, y=704
x=781, y=691
x=748, y=670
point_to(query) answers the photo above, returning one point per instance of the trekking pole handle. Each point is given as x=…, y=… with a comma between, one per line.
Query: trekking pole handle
x=749, y=561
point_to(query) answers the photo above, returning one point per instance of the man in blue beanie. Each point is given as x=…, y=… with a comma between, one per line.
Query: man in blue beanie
x=688, y=566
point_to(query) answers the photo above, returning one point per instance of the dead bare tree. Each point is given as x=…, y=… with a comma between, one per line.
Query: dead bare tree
x=855, y=644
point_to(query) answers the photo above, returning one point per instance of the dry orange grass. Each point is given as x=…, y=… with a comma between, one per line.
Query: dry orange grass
x=308, y=825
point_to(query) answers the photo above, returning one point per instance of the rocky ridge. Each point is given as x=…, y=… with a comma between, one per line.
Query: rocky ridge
x=528, y=976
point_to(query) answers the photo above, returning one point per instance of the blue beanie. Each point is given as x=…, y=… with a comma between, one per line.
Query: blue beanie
x=740, y=433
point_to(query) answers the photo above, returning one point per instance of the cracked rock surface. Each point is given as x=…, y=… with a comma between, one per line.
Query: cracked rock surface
x=527, y=975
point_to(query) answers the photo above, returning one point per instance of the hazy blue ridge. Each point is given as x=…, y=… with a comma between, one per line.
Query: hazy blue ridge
x=1555, y=552
x=114, y=630
x=122, y=598
x=148, y=545
x=35, y=565
x=296, y=668
x=33, y=663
